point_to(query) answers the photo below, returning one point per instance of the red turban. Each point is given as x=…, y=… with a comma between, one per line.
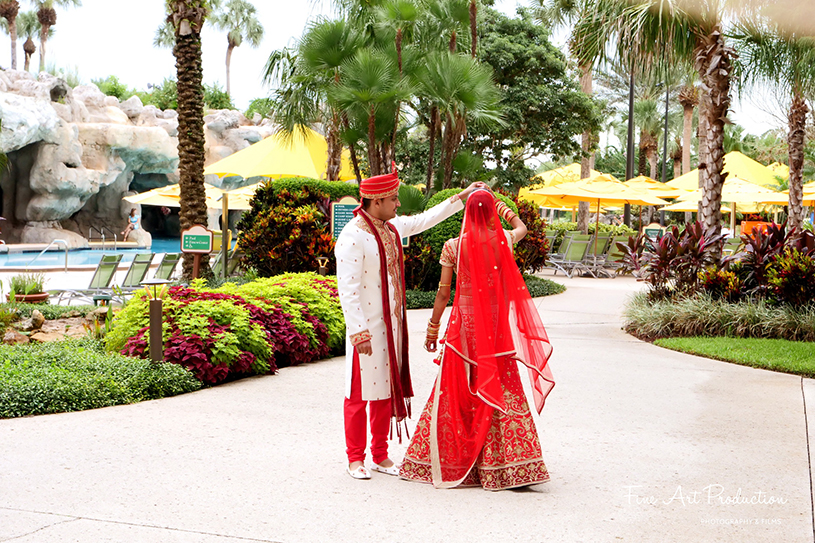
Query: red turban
x=380, y=186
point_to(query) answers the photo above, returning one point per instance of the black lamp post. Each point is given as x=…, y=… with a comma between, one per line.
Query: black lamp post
x=629, y=158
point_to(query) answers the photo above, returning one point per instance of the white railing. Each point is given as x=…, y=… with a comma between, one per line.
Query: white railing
x=56, y=241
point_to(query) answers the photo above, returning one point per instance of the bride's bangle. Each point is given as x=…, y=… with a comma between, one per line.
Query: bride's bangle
x=433, y=329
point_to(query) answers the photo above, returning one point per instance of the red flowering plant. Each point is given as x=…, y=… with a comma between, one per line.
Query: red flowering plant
x=531, y=252
x=226, y=334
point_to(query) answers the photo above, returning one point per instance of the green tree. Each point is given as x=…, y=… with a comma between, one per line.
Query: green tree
x=777, y=55
x=542, y=105
x=238, y=18
x=187, y=18
x=47, y=16
x=111, y=86
x=9, y=9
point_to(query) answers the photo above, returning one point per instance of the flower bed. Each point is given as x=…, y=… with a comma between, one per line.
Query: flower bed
x=238, y=330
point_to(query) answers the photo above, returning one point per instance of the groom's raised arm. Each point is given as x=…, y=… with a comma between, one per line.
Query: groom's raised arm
x=415, y=224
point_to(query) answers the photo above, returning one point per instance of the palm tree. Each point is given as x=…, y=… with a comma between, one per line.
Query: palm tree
x=8, y=11
x=303, y=79
x=187, y=18
x=661, y=33
x=776, y=55
x=238, y=18
x=463, y=91
x=369, y=88
x=28, y=26
x=47, y=16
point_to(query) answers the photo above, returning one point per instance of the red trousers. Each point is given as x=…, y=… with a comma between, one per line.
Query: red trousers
x=356, y=422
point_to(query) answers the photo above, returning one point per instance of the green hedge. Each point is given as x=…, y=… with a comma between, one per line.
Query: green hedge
x=76, y=375
x=537, y=286
x=334, y=189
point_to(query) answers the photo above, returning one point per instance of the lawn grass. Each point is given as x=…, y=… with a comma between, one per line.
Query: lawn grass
x=797, y=357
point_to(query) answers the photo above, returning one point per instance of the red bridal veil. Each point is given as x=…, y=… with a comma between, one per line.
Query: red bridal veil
x=493, y=321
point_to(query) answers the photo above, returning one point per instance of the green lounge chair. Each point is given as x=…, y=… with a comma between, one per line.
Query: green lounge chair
x=167, y=266
x=596, y=254
x=100, y=282
x=574, y=254
x=134, y=276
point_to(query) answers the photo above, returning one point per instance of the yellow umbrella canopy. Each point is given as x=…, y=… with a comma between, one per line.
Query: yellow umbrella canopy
x=736, y=190
x=302, y=155
x=783, y=198
x=688, y=206
x=736, y=165
x=170, y=196
x=604, y=189
x=564, y=174
x=654, y=187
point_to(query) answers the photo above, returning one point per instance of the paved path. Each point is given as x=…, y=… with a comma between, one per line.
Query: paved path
x=643, y=445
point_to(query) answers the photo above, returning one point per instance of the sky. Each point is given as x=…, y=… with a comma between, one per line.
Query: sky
x=115, y=37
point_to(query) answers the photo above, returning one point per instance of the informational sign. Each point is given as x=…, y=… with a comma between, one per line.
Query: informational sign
x=196, y=240
x=341, y=214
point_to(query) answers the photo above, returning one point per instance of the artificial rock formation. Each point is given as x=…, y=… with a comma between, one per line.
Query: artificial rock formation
x=74, y=153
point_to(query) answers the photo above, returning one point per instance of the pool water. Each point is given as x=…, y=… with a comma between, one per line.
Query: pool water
x=83, y=257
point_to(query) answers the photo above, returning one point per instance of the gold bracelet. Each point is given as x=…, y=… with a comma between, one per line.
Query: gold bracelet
x=441, y=285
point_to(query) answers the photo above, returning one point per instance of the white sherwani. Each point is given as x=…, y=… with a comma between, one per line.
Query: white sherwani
x=360, y=290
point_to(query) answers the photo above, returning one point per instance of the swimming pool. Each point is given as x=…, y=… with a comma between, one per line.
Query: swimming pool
x=83, y=257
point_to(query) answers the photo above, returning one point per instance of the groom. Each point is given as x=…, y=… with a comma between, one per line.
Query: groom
x=370, y=280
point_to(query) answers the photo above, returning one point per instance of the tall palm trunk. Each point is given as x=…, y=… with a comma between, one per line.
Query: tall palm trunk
x=334, y=151
x=29, y=49
x=796, y=140
x=689, y=99
x=352, y=149
x=473, y=27
x=432, y=129
x=713, y=62
x=187, y=52
x=9, y=10
x=583, y=208
x=398, y=103
x=229, y=49
x=47, y=17
x=652, y=164
x=373, y=152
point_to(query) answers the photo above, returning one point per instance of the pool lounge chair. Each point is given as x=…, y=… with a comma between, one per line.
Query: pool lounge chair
x=100, y=282
x=134, y=276
x=573, y=255
x=167, y=266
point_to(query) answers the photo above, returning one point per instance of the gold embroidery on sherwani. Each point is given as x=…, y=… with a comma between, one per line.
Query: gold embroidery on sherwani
x=389, y=240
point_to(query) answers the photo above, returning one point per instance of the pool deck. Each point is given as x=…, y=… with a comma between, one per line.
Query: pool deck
x=643, y=445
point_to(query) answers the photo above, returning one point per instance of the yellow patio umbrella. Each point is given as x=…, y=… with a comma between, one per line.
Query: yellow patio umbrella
x=735, y=191
x=564, y=174
x=276, y=156
x=689, y=206
x=603, y=189
x=170, y=196
x=736, y=165
x=783, y=198
x=654, y=187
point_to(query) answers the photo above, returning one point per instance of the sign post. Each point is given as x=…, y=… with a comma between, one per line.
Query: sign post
x=343, y=211
x=196, y=240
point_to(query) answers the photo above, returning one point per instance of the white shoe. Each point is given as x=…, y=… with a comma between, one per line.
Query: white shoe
x=359, y=473
x=393, y=470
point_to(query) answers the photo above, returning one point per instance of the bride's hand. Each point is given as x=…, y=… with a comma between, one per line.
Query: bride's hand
x=430, y=345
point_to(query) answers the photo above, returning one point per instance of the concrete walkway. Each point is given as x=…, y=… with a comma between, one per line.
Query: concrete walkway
x=643, y=445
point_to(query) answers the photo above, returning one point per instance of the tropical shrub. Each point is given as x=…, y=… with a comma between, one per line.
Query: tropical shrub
x=721, y=284
x=671, y=265
x=422, y=268
x=791, y=278
x=531, y=252
x=288, y=227
x=75, y=375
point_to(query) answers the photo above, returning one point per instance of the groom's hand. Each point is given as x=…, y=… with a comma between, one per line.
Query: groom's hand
x=477, y=185
x=365, y=348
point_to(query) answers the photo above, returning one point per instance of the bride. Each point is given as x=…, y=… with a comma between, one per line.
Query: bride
x=476, y=428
